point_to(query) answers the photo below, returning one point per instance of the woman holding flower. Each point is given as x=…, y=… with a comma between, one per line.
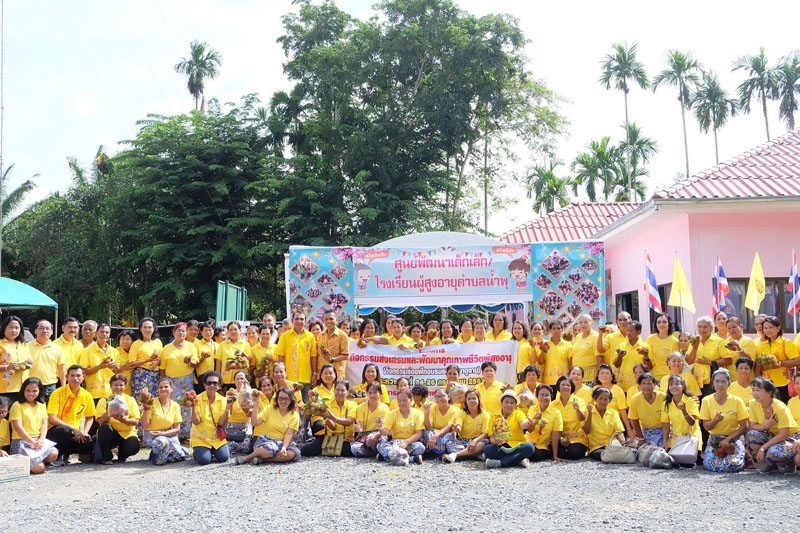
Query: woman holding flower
x=573, y=443
x=507, y=444
x=439, y=420
x=274, y=428
x=471, y=429
x=238, y=430
x=777, y=356
x=548, y=425
x=161, y=423
x=725, y=418
x=403, y=428
x=178, y=361
x=324, y=392
x=366, y=426
x=339, y=417
x=234, y=354
x=15, y=357
x=145, y=351
x=117, y=421
x=209, y=418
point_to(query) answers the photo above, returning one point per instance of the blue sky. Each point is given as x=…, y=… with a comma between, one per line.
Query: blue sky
x=80, y=73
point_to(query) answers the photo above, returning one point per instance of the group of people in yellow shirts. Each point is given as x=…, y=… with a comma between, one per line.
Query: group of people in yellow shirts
x=269, y=394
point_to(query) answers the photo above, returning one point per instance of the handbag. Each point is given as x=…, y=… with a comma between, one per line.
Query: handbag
x=235, y=435
x=616, y=453
x=221, y=433
x=684, y=449
x=332, y=444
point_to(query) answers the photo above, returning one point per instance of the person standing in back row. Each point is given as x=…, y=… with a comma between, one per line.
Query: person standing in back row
x=48, y=359
x=68, y=342
x=297, y=348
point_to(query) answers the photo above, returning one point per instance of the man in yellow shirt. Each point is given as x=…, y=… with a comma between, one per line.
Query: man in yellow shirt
x=269, y=320
x=48, y=359
x=607, y=344
x=88, y=331
x=297, y=349
x=334, y=345
x=67, y=341
x=70, y=413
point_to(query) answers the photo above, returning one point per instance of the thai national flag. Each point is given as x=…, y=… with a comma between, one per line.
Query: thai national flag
x=794, y=287
x=654, y=300
x=720, y=286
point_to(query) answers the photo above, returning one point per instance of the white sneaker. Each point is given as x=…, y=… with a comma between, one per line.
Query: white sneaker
x=450, y=457
x=525, y=463
x=418, y=459
x=493, y=463
x=481, y=457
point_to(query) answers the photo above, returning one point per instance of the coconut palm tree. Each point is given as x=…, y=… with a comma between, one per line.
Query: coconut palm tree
x=595, y=169
x=788, y=81
x=547, y=187
x=10, y=201
x=712, y=107
x=762, y=82
x=682, y=72
x=619, y=68
x=203, y=63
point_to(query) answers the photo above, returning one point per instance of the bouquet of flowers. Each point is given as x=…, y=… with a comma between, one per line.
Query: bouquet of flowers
x=146, y=399
x=720, y=450
x=767, y=361
x=315, y=405
x=116, y=406
x=357, y=394
x=500, y=429
x=544, y=346
x=188, y=400
x=263, y=367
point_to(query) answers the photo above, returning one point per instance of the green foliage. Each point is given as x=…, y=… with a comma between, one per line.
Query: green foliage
x=203, y=63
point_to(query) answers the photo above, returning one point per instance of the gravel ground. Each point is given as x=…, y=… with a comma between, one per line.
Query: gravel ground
x=321, y=494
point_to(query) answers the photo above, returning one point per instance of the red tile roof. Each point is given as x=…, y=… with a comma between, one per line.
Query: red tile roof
x=574, y=222
x=772, y=169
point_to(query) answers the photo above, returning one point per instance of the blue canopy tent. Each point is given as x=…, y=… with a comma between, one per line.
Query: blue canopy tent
x=17, y=295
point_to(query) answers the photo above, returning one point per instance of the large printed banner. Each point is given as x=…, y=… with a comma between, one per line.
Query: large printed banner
x=447, y=275
x=568, y=281
x=427, y=366
x=320, y=279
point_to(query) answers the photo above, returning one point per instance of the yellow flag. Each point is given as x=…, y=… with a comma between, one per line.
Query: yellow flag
x=756, y=287
x=681, y=295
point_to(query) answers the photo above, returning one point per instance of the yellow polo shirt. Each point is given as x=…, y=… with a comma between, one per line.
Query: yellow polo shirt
x=274, y=425
x=783, y=350
x=490, y=397
x=46, y=360
x=13, y=353
x=71, y=408
x=141, y=350
x=659, y=350
x=346, y=410
x=366, y=418
x=733, y=411
x=297, y=351
x=97, y=383
x=172, y=359
x=648, y=414
x=31, y=417
x=205, y=433
x=603, y=428
x=541, y=436
x=504, y=335
x=711, y=350
x=207, y=364
x=626, y=378
x=404, y=428
x=70, y=349
x=584, y=355
x=779, y=409
x=678, y=424
x=473, y=426
x=226, y=351
x=125, y=430
x=163, y=418
x=573, y=426
x=556, y=362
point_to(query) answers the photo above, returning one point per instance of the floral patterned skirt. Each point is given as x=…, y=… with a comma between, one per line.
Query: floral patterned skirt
x=180, y=387
x=733, y=462
x=164, y=450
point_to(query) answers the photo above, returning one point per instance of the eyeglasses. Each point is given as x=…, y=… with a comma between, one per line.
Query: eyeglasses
x=212, y=383
x=283, y=399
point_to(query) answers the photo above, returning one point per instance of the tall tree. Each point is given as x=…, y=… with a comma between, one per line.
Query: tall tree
x=712, y=106
x=594, y=169
x=10, y=201
x=682, y=72
x=203, y=63
x=762, y=81
x=788, y=81
x=548, y=189
x=622, y=67
x=637, y=146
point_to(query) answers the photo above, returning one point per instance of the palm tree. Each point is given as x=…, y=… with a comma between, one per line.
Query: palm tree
x=594, y=168
x=627, y=184
x=682, y=72
x=762, y=81
x=548, y=188
x=10, y=201
x=712, y=107
x=620, y=67
x=788, y=81
x=639, y=147
x=203, y=63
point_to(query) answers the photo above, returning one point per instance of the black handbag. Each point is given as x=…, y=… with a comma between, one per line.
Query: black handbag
x=236, y=435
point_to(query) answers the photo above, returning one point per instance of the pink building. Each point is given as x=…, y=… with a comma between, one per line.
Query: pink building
x=747, y=204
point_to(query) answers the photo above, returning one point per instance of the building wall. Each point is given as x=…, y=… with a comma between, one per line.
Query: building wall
x=698, y=238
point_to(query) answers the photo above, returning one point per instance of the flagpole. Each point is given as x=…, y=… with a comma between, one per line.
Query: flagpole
x=680, y=297
x=795, y=290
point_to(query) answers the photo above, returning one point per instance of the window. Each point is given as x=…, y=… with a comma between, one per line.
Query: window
x=674, y=313
x=775, y=303
x=628, y=301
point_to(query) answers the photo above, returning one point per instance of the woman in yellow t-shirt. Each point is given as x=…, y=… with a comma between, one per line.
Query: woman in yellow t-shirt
x=602, y=423
x=124, y=362
x=661, y=344
x=274, y=427
x=547, y=425
x=582, y=391
x=279, y=375
x=366, y=426
x=724, y=416
x=267, y=392
x=470, y=430
x=509, y=447
x=742, y=386
x=644, y=410
x=555, y=355
x=417, y=334
x=145, y=351
x=526, y=354
x=339, y=419
x=404, y=426
x=675, y=363
x=403, y=383
x=439, y=420
x=447, y=332
x=573, y=443
x=209, y=418
x=467, y=332
x=178, y=361
x=233, y=353
x=15, y=357
x=784, y=351
x=680, y=414
x=238, y=430
x=480, y=328
x=431, y=336
x=371, y=373
x=619, y=401
x=117, y=423
x=161, y=423
x=773, y=429
x=28, y=419
x=584, y=348
x=324, y=391
x=499, y=329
